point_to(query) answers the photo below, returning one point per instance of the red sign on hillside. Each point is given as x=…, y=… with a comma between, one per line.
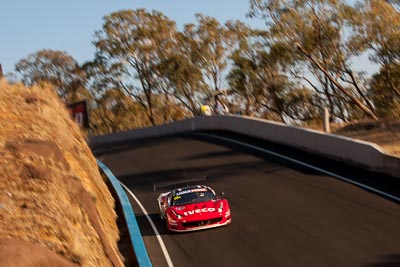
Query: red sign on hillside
x=79, y=114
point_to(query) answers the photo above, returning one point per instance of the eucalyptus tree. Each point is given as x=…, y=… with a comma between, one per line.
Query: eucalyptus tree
x=303, y=106
x=376, y=29
x=376, y=26
x=102, y=75
x=136, y=41
x=257, y=80
x=114, y=111
x=242, y=86
x=214, y=44
x=111, y=110
x=386, y=101
x=261, y=87
x=313, y=30
x=242, y=75
x=181, y=72
x=258, y=74
x=57, y=68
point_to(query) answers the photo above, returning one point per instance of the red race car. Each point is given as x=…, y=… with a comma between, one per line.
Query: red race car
x=193, y=208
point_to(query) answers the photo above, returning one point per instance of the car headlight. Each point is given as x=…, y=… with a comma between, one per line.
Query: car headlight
x=177, y=215
x=221, y=207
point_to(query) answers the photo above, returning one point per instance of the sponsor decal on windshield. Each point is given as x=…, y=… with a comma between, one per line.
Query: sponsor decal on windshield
x=197, y=211
x=191, y=191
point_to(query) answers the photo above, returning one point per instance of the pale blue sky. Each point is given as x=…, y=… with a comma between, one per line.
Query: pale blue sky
x=27, y=26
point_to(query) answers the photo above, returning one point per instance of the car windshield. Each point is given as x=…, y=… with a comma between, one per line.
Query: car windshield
x=190, y=196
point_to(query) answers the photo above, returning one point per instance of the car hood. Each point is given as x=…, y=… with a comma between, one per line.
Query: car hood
x=198, y=209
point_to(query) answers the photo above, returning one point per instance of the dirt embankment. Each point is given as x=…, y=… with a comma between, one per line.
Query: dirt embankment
x=55, y=209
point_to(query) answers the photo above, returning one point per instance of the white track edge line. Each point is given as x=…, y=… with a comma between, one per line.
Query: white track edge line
x=160, y=240
x=306, y=165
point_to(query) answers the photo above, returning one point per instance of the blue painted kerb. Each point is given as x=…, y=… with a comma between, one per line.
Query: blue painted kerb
x=133, y=228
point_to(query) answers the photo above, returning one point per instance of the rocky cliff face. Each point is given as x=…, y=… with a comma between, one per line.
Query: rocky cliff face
x=55, y=208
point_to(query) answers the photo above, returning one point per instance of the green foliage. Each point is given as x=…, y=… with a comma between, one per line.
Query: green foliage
x=302, y=105
x=214, y=43
x=57, y=68
x=181, y=74
x=376, y=27
x=386, y=100
x=114, y=112
x=242, y=78
x=258, y=77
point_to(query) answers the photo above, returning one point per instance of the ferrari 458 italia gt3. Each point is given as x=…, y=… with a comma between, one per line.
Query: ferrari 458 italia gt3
x=193, y=208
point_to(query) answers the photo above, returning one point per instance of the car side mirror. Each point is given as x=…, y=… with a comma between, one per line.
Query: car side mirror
x=222, y=194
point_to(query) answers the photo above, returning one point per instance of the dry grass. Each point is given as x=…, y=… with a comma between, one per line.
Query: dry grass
x=52, y=193
x=385, y=133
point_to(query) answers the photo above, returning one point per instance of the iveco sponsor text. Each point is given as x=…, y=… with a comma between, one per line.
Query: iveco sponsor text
x=192, y=212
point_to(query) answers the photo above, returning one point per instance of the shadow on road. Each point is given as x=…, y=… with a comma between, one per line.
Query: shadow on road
x=392, y=260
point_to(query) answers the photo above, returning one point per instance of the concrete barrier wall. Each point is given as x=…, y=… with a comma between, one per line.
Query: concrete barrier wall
x=359, y=153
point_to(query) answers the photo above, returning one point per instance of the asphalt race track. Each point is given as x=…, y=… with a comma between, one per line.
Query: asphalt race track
x=283, y=214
